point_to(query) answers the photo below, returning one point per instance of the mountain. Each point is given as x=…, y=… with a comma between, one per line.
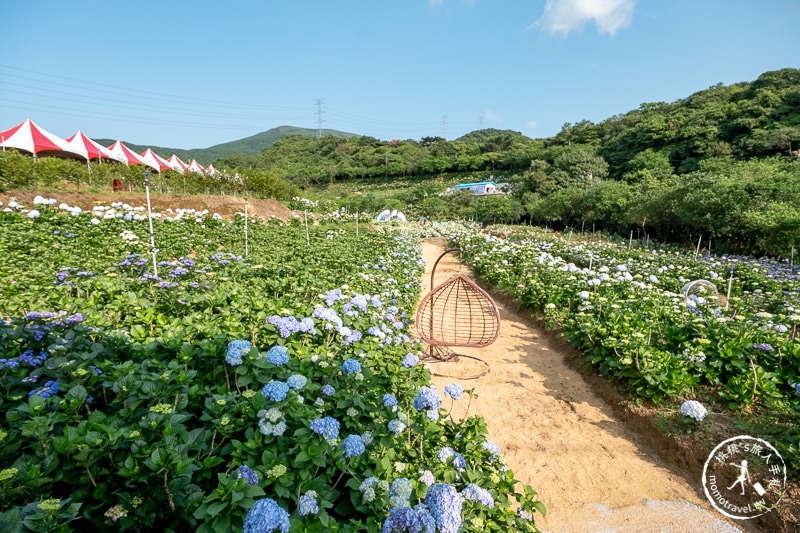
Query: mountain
x=246, y=147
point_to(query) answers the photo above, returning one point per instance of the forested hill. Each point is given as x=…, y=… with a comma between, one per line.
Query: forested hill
x=743, y=120
x=248, y=146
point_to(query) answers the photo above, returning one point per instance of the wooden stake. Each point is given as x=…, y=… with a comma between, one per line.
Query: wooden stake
x=698, y=246
x=730, y=284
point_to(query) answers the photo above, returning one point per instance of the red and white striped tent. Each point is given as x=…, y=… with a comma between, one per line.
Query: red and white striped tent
x=211, y=171
x=123, y=154
x=176, y=163
x=28, y=137
x=152, y=160
x=196, y=167
x=94, y=150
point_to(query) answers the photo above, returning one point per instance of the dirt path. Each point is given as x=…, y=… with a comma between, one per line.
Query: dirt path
x=561, y=438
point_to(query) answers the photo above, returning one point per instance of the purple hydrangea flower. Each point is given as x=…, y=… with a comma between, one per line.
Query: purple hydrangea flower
x=247, y=473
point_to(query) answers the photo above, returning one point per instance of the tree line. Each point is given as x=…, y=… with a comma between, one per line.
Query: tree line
x=722, y=162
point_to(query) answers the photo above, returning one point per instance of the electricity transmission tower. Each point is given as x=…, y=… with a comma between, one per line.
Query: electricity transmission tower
x=319, y=103
x=444, y=127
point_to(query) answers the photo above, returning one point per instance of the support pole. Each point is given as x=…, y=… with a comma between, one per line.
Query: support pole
x=245, y=228
x=357, y=225
x=698, y=246
x=150, y=221
x=305, y=216
x=730, y=284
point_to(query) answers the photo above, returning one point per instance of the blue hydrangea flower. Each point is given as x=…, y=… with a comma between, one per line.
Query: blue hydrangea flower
x=525, y=515
x=328, y=427
x=296, y=381
x=400, y=492
x=491, y=447
x=367, y=489
x=406, y=519
x=265, y=516
x=389, y=400
x=366, y=438
x=454, y=390
x=351, y=366
x=247, y=473
x=444, y=504
x=410, y=360
x=353, y=446
x=276, y=428
x=275, y=390
x=328, y=390
x=474, y=493
x=277, y=355
x=427, y=398
x=308, y=503
x=236, y=349
x=332, y=296
x=50, y=388
x=396, y=426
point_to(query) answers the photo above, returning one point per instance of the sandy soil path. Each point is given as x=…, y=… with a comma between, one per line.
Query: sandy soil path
x=561, y=438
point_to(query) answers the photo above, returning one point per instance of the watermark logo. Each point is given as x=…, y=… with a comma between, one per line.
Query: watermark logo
x=744, y=477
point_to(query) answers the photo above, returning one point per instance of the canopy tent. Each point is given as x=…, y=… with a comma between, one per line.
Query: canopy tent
x=152, y=160
x=210, y=170
x=123, y=154
x=394, y=214
x=28, y=137
x=175, y=162
x=94, y=150
x=196, y=167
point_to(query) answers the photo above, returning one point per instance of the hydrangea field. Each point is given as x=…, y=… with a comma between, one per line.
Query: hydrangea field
x=274, y=392
x=623, y=307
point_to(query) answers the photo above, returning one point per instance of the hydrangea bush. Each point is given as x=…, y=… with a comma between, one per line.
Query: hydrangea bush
x=279, y=391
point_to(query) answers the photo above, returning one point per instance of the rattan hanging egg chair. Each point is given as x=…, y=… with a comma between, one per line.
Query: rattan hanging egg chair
x=456, y=313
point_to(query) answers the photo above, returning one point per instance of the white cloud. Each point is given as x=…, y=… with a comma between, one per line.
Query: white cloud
x=491, y=116
x=564, y=16
x=531, y=124
x=435, y=3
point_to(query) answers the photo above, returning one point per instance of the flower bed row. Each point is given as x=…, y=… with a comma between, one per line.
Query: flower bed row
x=274, y=392
x=627, y=313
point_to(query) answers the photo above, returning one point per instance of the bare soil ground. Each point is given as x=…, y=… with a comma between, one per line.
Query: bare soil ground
x=592, y=468
x=226, y=206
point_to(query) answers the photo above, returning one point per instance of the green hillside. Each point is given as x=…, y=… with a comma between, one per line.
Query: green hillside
x=246, y=147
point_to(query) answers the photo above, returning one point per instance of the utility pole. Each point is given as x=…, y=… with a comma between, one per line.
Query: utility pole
x=444, y=127
x=319, y=103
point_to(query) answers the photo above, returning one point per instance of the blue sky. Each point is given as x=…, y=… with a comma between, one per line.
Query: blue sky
x=194, y=74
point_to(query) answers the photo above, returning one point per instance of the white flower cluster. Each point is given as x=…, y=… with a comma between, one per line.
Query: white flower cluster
x=694, y=409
